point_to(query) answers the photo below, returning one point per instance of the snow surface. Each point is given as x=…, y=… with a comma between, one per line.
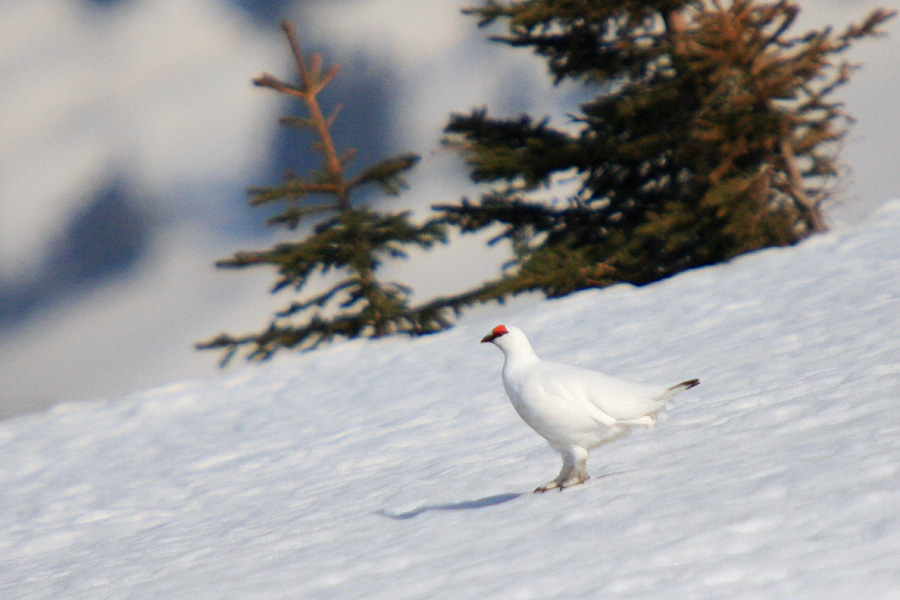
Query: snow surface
x=397, y=469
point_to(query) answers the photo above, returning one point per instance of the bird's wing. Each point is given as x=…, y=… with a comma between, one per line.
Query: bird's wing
x=610, y=400
x=600, y=416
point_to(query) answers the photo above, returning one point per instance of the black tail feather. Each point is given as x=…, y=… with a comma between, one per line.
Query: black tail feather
x=686, y=385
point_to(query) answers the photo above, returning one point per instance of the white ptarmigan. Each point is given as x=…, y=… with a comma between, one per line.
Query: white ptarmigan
x=574, y=409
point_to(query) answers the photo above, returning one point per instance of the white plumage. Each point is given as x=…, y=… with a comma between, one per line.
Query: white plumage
x=574, y=409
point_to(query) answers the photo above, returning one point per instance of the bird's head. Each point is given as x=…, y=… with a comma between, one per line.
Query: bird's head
x=510, y=339
x=498, y=331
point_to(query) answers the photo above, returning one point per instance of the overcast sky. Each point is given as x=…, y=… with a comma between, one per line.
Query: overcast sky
x=137, y=117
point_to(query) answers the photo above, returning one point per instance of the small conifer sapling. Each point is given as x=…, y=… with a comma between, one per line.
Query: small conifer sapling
x=345, y=237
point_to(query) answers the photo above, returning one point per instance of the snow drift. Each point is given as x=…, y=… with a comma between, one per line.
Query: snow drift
x=398, y=469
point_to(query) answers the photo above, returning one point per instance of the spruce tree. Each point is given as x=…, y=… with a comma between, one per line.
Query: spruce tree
x=345, y=237
x=712, y=133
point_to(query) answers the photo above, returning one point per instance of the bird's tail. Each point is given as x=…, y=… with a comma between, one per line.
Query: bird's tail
x=649, y=420
x=684, y=385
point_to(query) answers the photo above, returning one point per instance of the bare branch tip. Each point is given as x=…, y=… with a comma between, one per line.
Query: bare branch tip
x=332, y=71
x=288, y=27
x=315, y=65
x=330, y=121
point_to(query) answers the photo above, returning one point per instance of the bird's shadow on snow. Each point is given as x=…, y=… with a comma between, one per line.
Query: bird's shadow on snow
x=474, y=504
x=465, y=505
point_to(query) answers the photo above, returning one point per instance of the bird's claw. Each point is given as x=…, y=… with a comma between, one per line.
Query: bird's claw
x=547, y=487
x=560, y=485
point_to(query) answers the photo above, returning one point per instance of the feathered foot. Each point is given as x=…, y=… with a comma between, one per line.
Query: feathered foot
x=573, y=472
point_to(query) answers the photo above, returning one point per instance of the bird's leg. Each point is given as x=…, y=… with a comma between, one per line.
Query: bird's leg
x=573, y=471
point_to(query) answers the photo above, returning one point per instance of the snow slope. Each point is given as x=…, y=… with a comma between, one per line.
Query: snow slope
x=398, y=469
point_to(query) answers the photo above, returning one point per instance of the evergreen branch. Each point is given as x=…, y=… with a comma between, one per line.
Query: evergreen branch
x=509, y=149
x=312, y=82
x=785, y=14
x=868, y=28
x=387, y=174
x=292, y=215
x=293, y=189
x=317, y=301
